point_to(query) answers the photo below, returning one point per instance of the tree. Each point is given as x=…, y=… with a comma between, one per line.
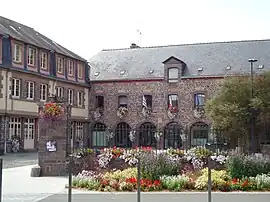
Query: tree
x=232, y=108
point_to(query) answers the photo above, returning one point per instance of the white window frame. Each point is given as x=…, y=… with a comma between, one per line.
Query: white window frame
x=15, y=127
x=70, y=67
x=43, y=92
x=29, y=128
x=60, y=65
x=70, y=96
x=60, y=92
x=80, y=98
x=80, y=70
x=17, y=54
x=15, y=88
x=30, y=90
x=31, y=59
x=44, y=60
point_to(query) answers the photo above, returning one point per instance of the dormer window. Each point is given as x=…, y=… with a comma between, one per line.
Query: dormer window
x=173, y=74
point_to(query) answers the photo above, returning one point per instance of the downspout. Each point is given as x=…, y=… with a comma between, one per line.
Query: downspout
x=5, y=116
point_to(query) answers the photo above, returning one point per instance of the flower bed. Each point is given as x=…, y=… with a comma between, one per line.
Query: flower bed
x=174, y=170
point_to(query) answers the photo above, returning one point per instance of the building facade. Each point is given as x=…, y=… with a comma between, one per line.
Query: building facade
x=33, y=68
x=141, y=95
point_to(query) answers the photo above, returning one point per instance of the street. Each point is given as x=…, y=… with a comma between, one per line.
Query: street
x=161, y=197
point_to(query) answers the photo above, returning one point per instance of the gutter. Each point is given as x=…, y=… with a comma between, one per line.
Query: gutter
x=5, y=115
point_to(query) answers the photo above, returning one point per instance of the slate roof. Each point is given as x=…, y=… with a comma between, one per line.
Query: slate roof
x=29, y=35
x=212, y=57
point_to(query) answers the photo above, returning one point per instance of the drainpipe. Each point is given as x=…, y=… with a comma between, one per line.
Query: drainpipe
x=5, y=116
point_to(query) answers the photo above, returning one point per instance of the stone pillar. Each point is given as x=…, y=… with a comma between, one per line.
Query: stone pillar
x=54, y=146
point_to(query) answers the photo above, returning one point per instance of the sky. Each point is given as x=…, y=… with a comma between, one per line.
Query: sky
x=88, y=26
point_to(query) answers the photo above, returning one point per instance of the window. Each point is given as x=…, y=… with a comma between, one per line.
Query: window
x=14, y=127
x=80, y=70
x=199, y=100
x=70, y=96
x=31, y=56
x=173, y=75
x=70, y=68
x=99, y=135
x=147, y=101
x=100, y=101
x=17, y=57
x=79, y=134
x=15, y=88
x=43, y=92
x=29, y=129
x=172, y=136
x=173, y=101
x=80, y=98
x=199, y=134
x=60, y=92
x=44, y=60
x=60, y=65
x=30, y=90
x=122, y=101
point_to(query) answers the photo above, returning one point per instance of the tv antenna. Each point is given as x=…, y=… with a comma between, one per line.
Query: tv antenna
x=139, y=35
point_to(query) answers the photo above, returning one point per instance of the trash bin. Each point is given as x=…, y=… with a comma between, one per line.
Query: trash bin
x=9, y=146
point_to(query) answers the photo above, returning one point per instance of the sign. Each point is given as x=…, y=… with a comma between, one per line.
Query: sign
x=51, y=146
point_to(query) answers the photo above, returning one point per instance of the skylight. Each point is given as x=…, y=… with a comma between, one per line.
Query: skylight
x=97, y=73
x=15, y=30
x=200, y=69
x=122, y=72
x=151, y=71
x=228, y=67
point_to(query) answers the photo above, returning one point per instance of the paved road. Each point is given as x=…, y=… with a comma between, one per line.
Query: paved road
x=19, y=186
x=161, y=197
x=12, y=160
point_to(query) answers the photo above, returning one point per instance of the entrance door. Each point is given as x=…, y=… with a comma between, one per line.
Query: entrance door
x=29, y=134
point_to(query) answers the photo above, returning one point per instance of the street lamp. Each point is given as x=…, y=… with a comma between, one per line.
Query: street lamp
x=252, y=132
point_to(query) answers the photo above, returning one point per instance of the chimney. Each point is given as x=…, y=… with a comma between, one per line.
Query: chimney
x=134, y=45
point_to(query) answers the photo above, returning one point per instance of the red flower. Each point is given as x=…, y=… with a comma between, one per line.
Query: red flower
x=245, y=184
x=234, y=181
x=131, y=180
x=157, y=183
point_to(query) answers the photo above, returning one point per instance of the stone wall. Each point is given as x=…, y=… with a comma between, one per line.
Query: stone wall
x=185, y=89
x=52, y=163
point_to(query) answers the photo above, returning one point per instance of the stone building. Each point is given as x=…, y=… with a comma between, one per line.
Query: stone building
x=33, y=68
x=162, y=90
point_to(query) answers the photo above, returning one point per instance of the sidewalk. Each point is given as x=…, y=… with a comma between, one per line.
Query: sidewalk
x=19, y=186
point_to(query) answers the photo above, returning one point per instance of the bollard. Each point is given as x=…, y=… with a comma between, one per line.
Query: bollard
x=139, y=180
x=1, y=178
x=209, y=180
x=70, y=179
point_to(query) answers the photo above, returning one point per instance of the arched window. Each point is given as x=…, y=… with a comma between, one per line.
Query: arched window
x=172, y=134
x=147, y=135
x=99, y=138
x=122, y=135
x=199, y=134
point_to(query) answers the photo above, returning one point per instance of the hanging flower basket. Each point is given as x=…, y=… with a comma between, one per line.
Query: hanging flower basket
x=97, y=113
x=146, y=112
x=121, y=112
x=172, y=111
x=52, y=111
x=199, y=112
x=158, y=134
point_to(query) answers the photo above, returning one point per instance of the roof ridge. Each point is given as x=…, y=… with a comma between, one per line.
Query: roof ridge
x=186, y=44
x=16, y=22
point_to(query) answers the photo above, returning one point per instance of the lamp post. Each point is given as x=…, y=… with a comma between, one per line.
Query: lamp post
x=252, y=129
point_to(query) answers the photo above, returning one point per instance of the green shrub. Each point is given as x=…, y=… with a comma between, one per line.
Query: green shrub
x=261, y=181
x=240, y=166
x=176, y=183
x=153, y=166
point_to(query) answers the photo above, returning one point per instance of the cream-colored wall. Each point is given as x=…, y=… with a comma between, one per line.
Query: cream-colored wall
x=32, y=107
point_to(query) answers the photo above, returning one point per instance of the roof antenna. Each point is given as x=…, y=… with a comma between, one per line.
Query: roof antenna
x=139, y=37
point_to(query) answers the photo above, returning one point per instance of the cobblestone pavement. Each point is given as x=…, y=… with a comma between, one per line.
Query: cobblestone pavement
x=161, y=197
x=19, y=186
x=12, y=160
